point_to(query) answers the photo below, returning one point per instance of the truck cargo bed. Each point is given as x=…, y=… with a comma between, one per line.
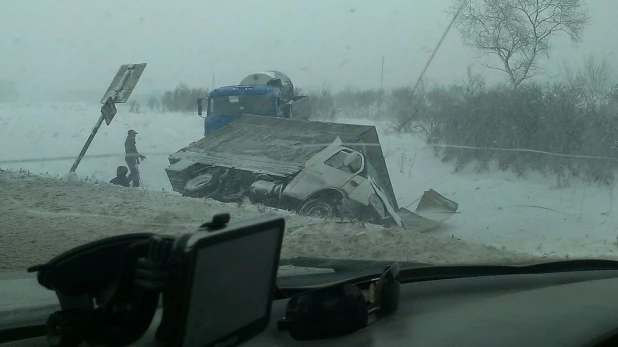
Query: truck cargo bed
x=285, y=140
x=281, y=146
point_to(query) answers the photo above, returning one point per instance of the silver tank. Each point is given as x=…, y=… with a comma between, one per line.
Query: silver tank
x=264, y=77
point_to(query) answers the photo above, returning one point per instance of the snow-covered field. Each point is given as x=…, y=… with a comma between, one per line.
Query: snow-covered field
x=42, y=217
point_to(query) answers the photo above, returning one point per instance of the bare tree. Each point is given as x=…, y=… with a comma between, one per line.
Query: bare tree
x=519, y=31
x=474, y=82
x=134, y=106
x=153, y=103
x=594, y=79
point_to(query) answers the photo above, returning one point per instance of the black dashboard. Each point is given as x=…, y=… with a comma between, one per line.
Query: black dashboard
x=557, y=309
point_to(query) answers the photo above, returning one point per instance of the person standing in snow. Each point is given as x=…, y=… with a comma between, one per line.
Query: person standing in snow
x=121, y=177
x=132, y=157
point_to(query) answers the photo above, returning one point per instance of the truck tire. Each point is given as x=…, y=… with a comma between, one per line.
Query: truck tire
x=202, y=184
x=321, y=207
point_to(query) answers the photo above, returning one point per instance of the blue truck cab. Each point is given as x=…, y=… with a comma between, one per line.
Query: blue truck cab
x=226, y=104
x=269, y=93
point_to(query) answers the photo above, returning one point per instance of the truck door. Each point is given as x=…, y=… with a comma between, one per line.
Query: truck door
x=340, y=175
x=327, y=169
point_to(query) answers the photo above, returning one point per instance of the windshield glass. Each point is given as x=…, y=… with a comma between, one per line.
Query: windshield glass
x=490, y=128
x=262, y=105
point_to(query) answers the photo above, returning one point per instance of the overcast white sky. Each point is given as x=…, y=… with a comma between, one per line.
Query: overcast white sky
x=72, y=44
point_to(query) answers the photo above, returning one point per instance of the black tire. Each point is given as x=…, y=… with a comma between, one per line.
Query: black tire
x=202, y=186
x=200, y=182
x=321, y=207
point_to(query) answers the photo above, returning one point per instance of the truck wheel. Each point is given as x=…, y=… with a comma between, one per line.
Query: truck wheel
x=319, y=207
x=201, y=185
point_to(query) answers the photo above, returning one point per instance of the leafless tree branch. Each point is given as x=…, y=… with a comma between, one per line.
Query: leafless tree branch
x=518, y=32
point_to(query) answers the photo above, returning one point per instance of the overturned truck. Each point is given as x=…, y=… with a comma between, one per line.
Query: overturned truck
x=327, y=170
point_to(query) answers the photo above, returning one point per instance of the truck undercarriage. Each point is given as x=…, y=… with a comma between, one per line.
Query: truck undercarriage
x=230, y=185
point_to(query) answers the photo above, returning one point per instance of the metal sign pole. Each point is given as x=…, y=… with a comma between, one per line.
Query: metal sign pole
x=85, y=148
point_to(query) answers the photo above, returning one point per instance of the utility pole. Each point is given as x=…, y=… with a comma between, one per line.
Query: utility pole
x=382, y=75
x=213, y=81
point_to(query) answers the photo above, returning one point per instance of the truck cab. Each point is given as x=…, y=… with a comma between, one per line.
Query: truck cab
x=269, y=93
x=226, y=104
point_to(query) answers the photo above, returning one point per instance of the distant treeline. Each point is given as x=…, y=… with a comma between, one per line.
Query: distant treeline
x=180, y=99
x=519, y=129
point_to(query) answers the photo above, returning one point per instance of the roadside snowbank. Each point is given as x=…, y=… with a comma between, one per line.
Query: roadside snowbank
x=43, y=216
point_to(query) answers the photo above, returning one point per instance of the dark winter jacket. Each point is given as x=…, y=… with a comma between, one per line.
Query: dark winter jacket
x=131, y=150
x=121, y=177
x=120, y=181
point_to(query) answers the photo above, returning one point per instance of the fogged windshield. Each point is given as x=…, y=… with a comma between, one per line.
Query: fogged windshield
x=489, y=128
x=262, y=105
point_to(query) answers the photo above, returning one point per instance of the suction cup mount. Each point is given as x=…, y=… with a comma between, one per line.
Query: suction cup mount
x=99, y=299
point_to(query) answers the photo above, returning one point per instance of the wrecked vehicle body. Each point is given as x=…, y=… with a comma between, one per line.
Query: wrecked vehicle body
x=328, y=170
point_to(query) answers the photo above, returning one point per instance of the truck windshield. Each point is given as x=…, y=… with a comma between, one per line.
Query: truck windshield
x=262, y=105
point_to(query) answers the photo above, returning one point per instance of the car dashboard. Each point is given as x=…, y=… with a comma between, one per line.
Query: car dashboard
x=556, y=309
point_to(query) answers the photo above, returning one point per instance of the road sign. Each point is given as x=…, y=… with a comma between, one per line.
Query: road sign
x=108, y=110
x=123, y=84
x=118, y=92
